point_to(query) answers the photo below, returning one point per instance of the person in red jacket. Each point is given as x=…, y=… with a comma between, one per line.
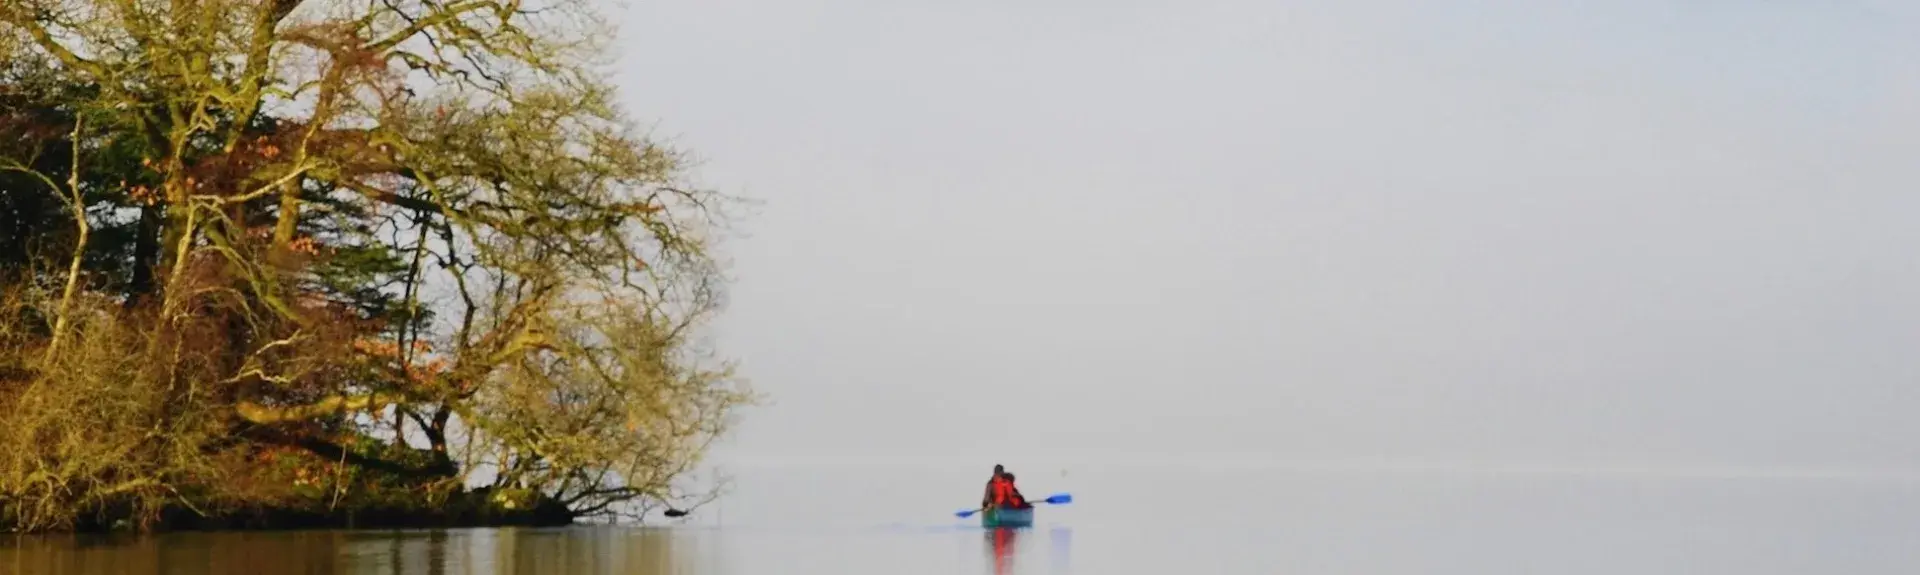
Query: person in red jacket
x=993, y=483
x=1001, y=492
x=1014, y=499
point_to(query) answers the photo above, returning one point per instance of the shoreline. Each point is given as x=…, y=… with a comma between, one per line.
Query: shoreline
x=469, y=510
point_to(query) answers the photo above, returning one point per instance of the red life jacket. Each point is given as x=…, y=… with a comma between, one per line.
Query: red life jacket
x=1002, y=491
x=1004, y=495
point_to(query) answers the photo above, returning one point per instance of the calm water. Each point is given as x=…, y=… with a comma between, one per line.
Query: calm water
x=875, y=520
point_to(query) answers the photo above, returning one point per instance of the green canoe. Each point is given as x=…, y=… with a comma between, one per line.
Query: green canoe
x=1007, y=518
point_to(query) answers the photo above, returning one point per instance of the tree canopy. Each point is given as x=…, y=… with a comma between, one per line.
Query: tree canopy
x=305, y=253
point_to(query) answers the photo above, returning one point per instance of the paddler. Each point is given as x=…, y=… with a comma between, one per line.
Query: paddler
x=1014, y=499
x=1001, y=492
x=993, y=483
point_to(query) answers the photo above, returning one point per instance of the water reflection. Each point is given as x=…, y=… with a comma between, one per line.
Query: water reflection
x=234, y=553
x=435, y=552
x=582, y=550
x=1062, y=539
x=1000, y=549
x=1003, y=549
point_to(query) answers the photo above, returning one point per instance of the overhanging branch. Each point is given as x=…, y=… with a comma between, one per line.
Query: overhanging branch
x=331, y=405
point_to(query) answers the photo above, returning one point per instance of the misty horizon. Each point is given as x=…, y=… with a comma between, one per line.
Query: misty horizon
x=1581, y=235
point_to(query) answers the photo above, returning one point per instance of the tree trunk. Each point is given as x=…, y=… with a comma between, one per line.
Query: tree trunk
x=146, y=248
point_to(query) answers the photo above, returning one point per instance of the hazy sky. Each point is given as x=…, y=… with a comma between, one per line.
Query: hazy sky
x=1619, y=232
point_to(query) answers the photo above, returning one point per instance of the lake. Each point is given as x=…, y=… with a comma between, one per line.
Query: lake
x=879, y=519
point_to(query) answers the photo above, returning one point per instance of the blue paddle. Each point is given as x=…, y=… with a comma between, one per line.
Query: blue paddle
x=1055, y=499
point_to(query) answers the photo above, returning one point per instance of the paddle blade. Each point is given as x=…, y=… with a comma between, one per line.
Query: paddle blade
x=965, y=514
x=1060, y=498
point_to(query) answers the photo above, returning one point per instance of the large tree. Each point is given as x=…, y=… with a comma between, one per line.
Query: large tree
x=413, y=238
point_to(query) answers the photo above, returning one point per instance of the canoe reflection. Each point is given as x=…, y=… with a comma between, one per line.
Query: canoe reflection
x=1001, y=550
